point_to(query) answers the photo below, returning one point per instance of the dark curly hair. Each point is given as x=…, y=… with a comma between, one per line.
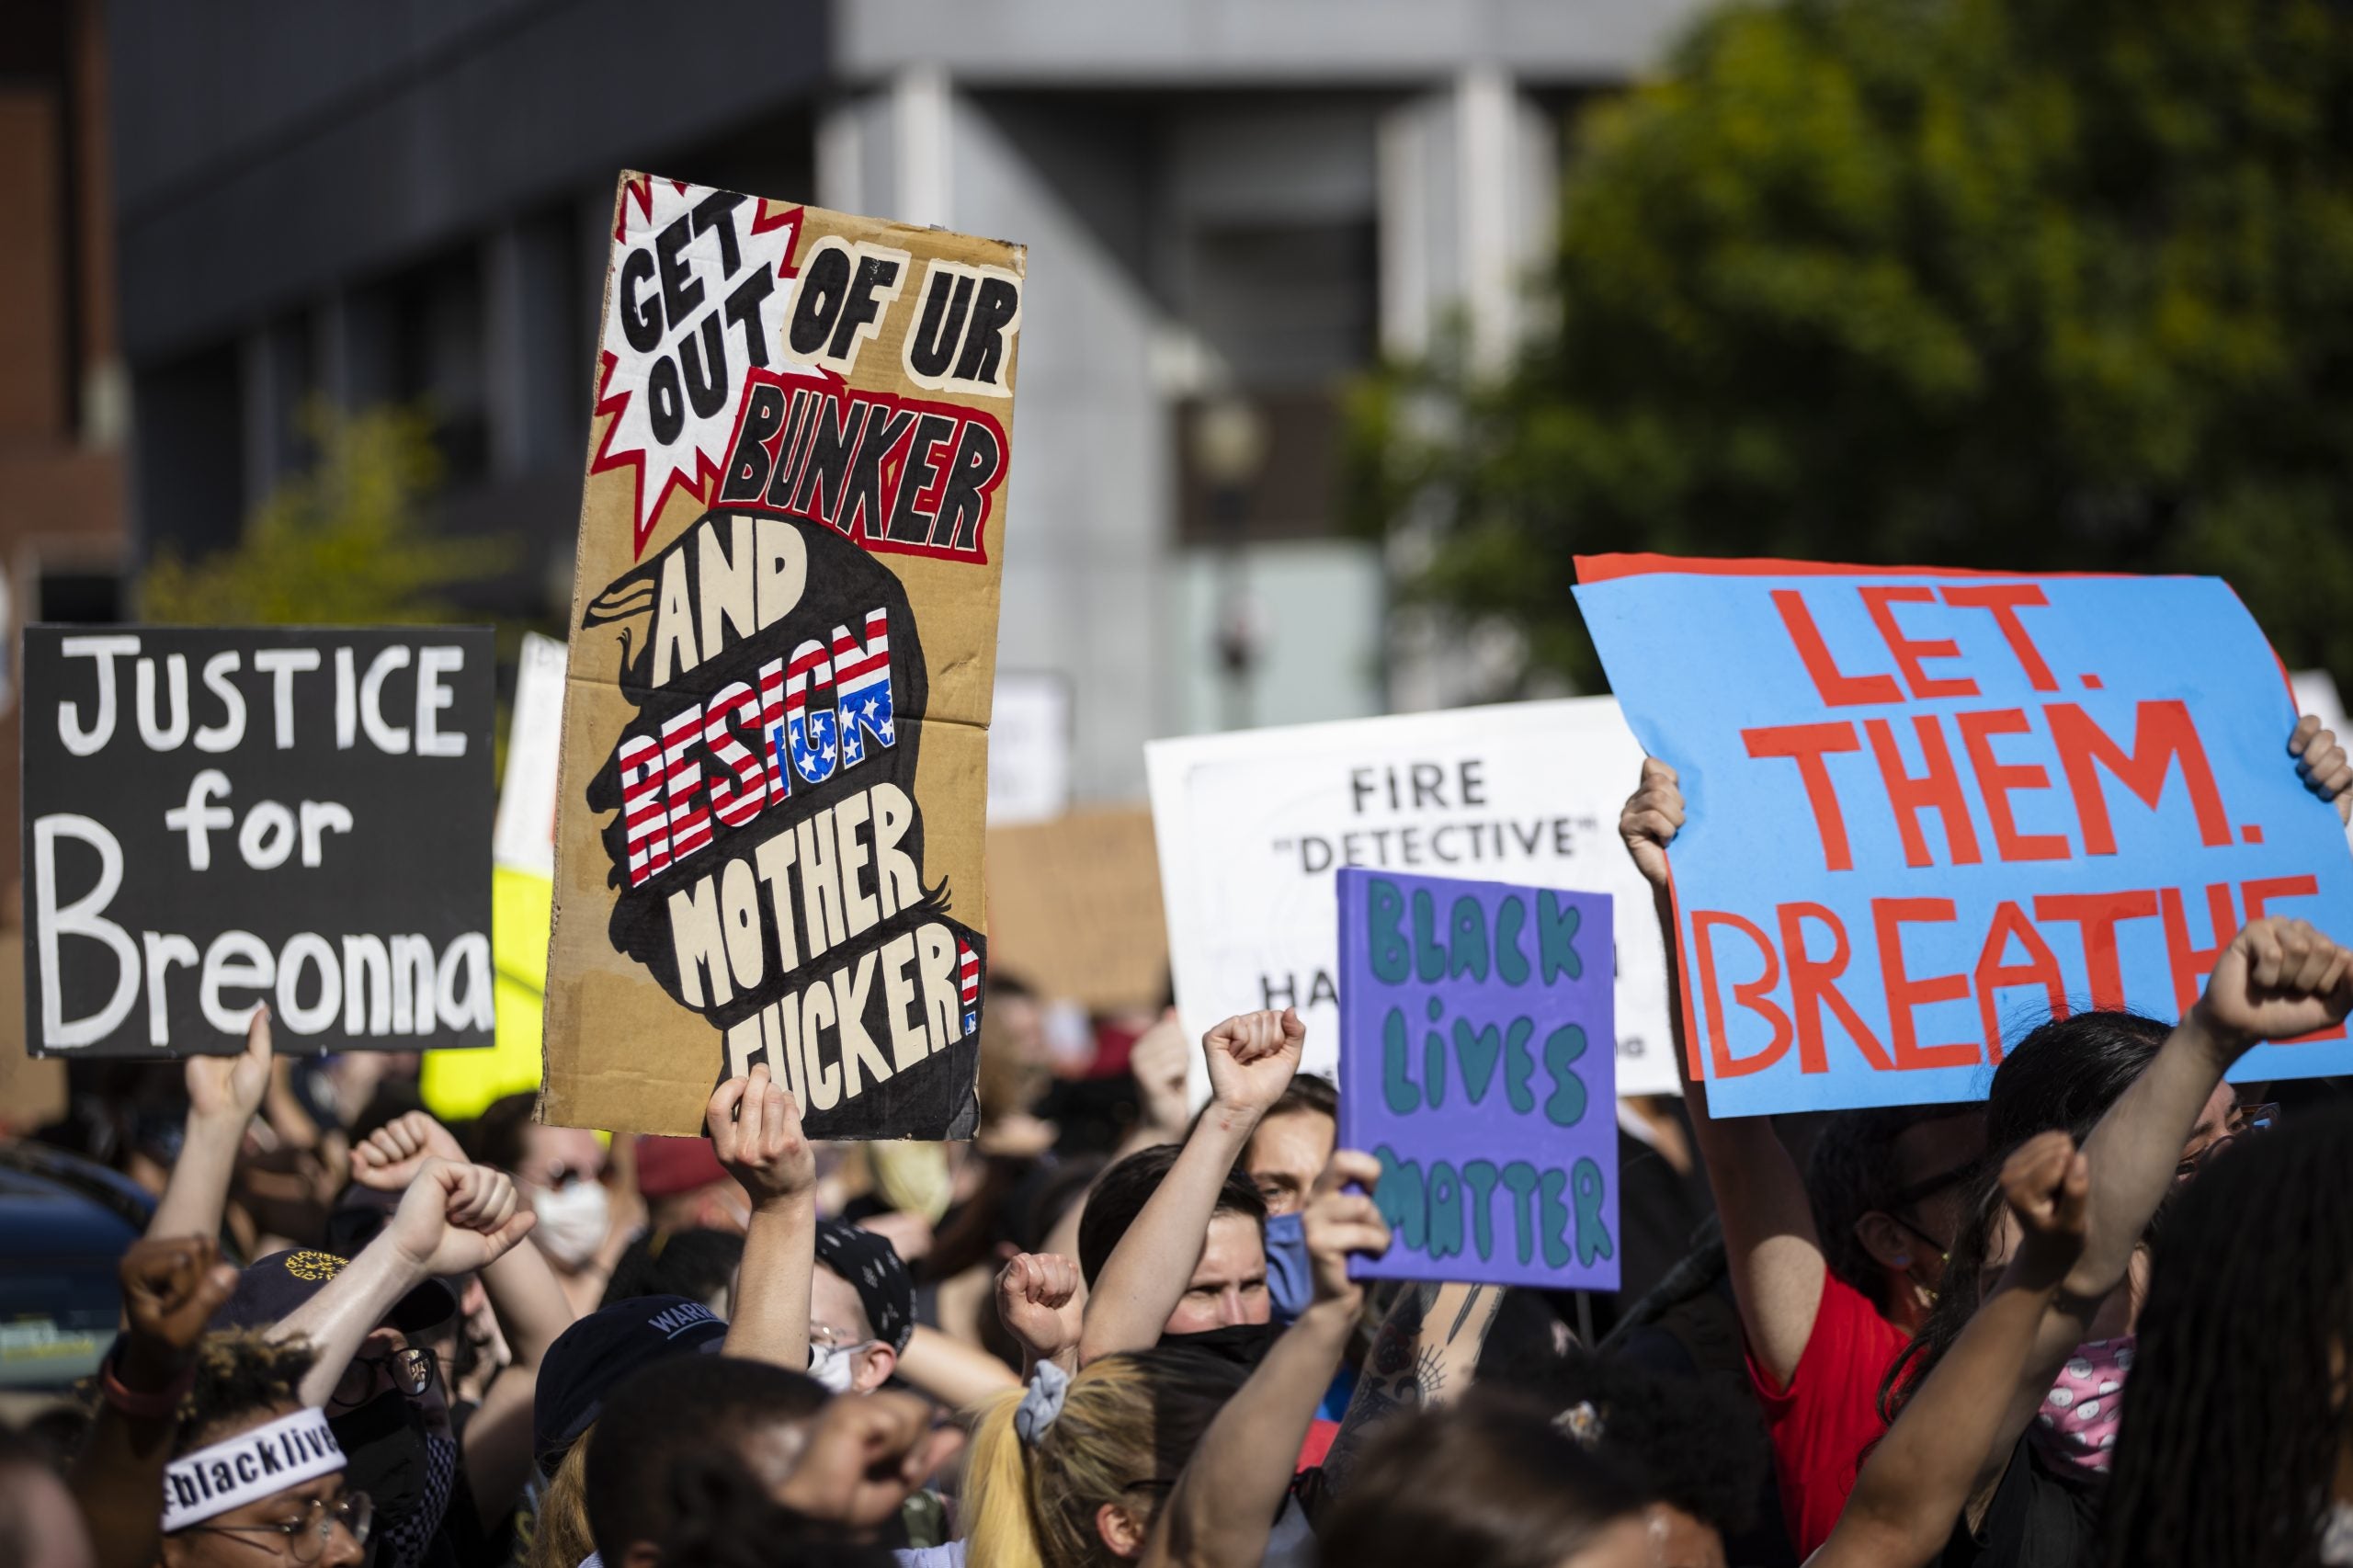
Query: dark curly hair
x=240, y=1374
x=2236, y=1418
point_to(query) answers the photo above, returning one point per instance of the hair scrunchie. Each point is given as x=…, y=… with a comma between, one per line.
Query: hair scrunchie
x=1041, y=1403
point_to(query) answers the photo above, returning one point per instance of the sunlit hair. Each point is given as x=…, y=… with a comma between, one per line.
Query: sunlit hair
x=2237, y=1419
x=1128, y=1425
x=560, y=1535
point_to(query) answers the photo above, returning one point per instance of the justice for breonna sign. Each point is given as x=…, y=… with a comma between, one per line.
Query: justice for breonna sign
x=218, y=818
x=1928, y=809
x=1476, y=1064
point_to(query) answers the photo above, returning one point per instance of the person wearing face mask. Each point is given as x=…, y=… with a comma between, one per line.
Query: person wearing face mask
x=379, y=1390
x=529, y=1309
x=1223, y=1305
x=1173, y=1243
x=861, y=1309
x=255, y=1474
x=381, y=1408
x=561, y=1173
x=1293, y=1142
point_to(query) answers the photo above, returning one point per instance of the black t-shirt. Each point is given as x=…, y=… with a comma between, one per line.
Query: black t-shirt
x=2045, y=1514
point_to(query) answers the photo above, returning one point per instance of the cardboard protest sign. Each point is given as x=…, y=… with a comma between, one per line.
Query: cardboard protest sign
x=292, y=815
x=1074, y=908
x=1930, y=809
x=1252, y=826
x=1474, y=1066
x=769, y=812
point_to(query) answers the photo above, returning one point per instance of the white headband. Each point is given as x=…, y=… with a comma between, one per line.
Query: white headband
x=248, y=1467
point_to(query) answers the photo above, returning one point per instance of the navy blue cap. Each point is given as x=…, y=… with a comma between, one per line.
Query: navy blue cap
x=595, y=1355
x=272, y=1287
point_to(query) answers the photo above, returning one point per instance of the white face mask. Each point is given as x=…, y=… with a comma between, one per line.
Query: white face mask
x=835, y=1366
x=572, y=1220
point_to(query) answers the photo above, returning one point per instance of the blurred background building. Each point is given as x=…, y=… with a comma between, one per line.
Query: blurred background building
x=1231, y=206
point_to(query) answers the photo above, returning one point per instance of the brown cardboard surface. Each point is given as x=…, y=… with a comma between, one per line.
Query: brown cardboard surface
x=1074, y=907
x=666, y=939
x=32, y=1092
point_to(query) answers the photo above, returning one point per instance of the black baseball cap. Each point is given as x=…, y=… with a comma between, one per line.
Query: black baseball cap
x=271, y=1289
x=872, y=1265
x=597, y=1354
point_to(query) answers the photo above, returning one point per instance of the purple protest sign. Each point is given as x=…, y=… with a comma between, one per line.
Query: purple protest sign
x=1475, y=1063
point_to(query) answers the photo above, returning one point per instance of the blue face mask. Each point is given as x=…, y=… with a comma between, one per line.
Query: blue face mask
x=1290, y=1280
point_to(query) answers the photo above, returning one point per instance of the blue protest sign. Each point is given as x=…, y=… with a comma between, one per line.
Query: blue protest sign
x=1476, y=1023
x=1927, y=809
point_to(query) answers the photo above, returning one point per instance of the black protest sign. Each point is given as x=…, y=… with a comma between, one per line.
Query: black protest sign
x=217, y=818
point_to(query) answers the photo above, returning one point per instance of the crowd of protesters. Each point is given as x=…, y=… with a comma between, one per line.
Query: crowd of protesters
x=1114, y=1328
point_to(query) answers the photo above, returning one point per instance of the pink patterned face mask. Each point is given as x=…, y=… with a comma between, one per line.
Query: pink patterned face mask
x=2080, y=1416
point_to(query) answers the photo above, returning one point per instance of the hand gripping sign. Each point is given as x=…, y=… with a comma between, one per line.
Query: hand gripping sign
x=1928, y=810
x=774, y=773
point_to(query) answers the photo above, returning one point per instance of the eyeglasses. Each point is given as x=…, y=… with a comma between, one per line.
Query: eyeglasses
x=826, y=1338
x=2246, y=1122
x=413, y=1371
x=307, y=1537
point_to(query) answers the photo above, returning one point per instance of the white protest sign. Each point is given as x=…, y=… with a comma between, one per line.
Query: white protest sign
x=1029, y=754
x=525, y=836
x=1251, y=826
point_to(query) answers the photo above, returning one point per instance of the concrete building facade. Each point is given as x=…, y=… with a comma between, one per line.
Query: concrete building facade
x=1227, y=203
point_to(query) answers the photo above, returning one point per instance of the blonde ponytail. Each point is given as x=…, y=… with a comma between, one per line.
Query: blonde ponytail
x=1126, y=1421
x=559, y=1534
x=998, y=1530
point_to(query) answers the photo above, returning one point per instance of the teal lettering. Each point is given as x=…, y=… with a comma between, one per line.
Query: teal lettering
x=1519, y=1065
x=1446, y=1210
x=1476, y=1051
x=1397, y=1090
x=1430, y=958
x=1384, y=910
x=1469, y=938
x=1593, y=1236
x=1557, y=1252
x=1511, y=964
x=1479, y=1181
x=1519, y=1181
x=1434, y=1060
x=1556, y=931
x=1400, y=1198
x=1565, y=1106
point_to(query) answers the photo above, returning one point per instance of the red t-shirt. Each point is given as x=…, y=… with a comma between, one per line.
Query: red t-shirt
x=1825, y=1420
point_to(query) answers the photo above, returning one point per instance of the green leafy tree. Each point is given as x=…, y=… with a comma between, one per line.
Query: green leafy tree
x=344, y=542
x=2028, y=284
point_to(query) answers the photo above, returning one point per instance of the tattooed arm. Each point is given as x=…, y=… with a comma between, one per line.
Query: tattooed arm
x=1422, y=1358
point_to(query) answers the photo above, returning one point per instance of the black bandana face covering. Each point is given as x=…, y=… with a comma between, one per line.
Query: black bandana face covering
x=405, y=1468
x=1243, y=1344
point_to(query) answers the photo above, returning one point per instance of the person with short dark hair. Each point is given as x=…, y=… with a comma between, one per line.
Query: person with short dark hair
x=1504, y=1488
x=687, y=1410
x=1193, y=1258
